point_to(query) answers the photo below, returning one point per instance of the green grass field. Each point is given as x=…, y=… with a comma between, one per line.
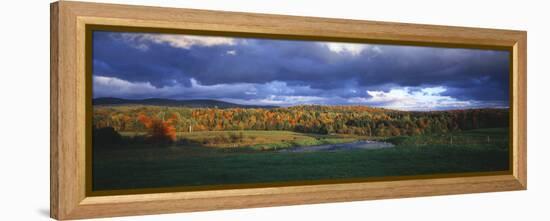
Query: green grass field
x=194, y=162
x=255, y=139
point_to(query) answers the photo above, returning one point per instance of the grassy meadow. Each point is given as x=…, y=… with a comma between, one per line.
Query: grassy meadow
x=251, y=157
x=255, y=140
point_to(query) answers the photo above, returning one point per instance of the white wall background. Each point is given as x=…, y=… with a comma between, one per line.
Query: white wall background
x=24, y=112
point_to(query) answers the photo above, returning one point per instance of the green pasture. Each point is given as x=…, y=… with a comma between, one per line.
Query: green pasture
x=192, y=161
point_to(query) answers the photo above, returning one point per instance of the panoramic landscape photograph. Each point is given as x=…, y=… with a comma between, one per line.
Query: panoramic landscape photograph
x=192, y=111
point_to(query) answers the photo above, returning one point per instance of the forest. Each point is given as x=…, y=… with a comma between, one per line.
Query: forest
x=315, y=119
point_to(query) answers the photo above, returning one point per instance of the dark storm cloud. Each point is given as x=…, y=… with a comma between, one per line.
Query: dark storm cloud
x=263, y=68
x=468, y=73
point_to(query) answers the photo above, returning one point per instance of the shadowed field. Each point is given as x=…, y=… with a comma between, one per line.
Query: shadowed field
x=192, y=162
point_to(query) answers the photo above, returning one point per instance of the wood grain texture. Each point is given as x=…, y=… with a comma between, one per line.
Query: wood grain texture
x=66, y=135
x=521, y=146
x=68, y=85
x=54, y=126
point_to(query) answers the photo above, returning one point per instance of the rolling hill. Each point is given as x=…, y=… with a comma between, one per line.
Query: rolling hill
x=198, y=103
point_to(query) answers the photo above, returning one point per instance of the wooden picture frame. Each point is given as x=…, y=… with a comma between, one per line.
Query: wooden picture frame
x=69, y=198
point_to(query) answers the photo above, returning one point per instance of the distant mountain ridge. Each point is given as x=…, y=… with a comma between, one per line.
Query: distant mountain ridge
x=197, y=103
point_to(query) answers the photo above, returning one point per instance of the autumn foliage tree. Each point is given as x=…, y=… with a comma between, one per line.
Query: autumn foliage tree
x=158, y=130
x=358, y=120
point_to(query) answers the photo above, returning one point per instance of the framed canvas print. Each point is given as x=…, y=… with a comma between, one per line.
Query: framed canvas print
x=160, y=110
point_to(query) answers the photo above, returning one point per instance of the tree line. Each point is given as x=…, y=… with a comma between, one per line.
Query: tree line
x=358, y=120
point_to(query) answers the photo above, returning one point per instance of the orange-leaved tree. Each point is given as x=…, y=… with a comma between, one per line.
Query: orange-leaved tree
x=159, y=130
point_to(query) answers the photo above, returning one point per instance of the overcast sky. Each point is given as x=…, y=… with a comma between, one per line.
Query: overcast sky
x=289, y=72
